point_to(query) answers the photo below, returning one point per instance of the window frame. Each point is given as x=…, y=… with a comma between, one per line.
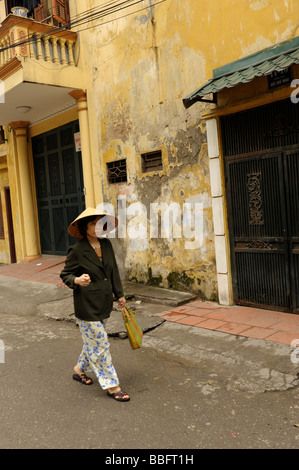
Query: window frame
x=113, y=164
x=155, y=168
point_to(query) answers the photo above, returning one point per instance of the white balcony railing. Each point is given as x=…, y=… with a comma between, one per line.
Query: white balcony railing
x=51, y=49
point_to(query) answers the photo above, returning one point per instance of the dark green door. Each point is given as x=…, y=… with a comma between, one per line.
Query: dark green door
x=261, y=154
x=59, y=186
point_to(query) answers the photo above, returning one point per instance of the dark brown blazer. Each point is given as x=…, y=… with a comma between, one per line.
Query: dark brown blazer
x=93, y=302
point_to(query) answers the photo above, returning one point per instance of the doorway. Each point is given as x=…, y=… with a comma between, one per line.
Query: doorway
x=10, y=229
x=59, y=186
x=262, y=184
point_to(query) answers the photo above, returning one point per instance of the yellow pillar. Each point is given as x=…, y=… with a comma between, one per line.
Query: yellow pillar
x=81, y=99
x=31, y=244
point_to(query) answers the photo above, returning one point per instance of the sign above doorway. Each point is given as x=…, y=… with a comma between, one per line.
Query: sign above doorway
x=279, y=78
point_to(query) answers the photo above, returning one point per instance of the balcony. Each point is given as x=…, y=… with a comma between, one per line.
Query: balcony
x=37, y=68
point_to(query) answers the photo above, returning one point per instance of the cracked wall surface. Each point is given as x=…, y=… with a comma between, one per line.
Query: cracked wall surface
x=143, y=64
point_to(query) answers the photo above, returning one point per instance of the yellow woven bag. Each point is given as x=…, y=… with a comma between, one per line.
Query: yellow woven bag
x=134, y=331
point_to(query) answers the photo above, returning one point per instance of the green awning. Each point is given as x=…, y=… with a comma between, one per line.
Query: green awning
x=275, y=58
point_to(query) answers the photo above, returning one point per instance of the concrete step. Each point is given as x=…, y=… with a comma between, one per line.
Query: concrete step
x=159, y=295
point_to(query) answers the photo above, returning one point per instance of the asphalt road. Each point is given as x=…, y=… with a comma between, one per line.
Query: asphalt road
x=175, y=403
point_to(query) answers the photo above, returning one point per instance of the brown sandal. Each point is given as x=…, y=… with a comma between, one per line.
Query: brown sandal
x=82, y=378
x=119, y=396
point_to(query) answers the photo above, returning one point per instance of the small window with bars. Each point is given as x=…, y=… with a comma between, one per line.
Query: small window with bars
x=117, y=171
x=151, y=161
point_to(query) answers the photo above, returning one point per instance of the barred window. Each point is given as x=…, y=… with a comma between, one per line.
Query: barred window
x=151, y=161
x=117, y=171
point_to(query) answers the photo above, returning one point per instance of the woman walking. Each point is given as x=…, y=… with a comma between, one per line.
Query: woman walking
x=91, y=271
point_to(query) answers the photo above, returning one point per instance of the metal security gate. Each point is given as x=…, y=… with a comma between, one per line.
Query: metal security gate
x=59, y=186
x=262, y=186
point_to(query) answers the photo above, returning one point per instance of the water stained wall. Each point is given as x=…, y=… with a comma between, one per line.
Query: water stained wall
x=146, y=62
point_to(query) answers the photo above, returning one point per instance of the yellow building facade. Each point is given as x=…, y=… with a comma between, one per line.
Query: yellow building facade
x=116, y=77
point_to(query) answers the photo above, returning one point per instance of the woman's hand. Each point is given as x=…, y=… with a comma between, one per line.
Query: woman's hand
x=121, y=302
x=83, y=280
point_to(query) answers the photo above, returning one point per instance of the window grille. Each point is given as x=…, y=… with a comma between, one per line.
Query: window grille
x=117, y=171
x=151, y=161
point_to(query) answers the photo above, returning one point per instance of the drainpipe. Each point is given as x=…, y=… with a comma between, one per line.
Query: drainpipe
x=150, y=9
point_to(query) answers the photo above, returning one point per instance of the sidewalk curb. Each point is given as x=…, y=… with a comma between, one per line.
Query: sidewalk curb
x=252, y=364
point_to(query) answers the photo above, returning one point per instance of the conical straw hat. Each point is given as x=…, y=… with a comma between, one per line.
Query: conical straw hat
x=112, y=221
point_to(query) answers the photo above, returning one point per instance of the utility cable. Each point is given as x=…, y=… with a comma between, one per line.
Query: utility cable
x=113, y=7
x=87, y=12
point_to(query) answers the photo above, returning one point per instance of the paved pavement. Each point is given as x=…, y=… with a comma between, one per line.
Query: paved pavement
x=255, y=342
x=176, y=403
x=179, y=307
x=191, y=349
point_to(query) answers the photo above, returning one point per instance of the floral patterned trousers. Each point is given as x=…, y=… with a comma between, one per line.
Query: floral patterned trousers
x=95, y=355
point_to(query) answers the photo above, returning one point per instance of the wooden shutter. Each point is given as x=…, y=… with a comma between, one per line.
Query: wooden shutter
x=61, y=11
x=9, y=4
x=40, y=12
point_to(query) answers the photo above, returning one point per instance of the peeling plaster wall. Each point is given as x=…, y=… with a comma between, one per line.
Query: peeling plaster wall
x=143, y=65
